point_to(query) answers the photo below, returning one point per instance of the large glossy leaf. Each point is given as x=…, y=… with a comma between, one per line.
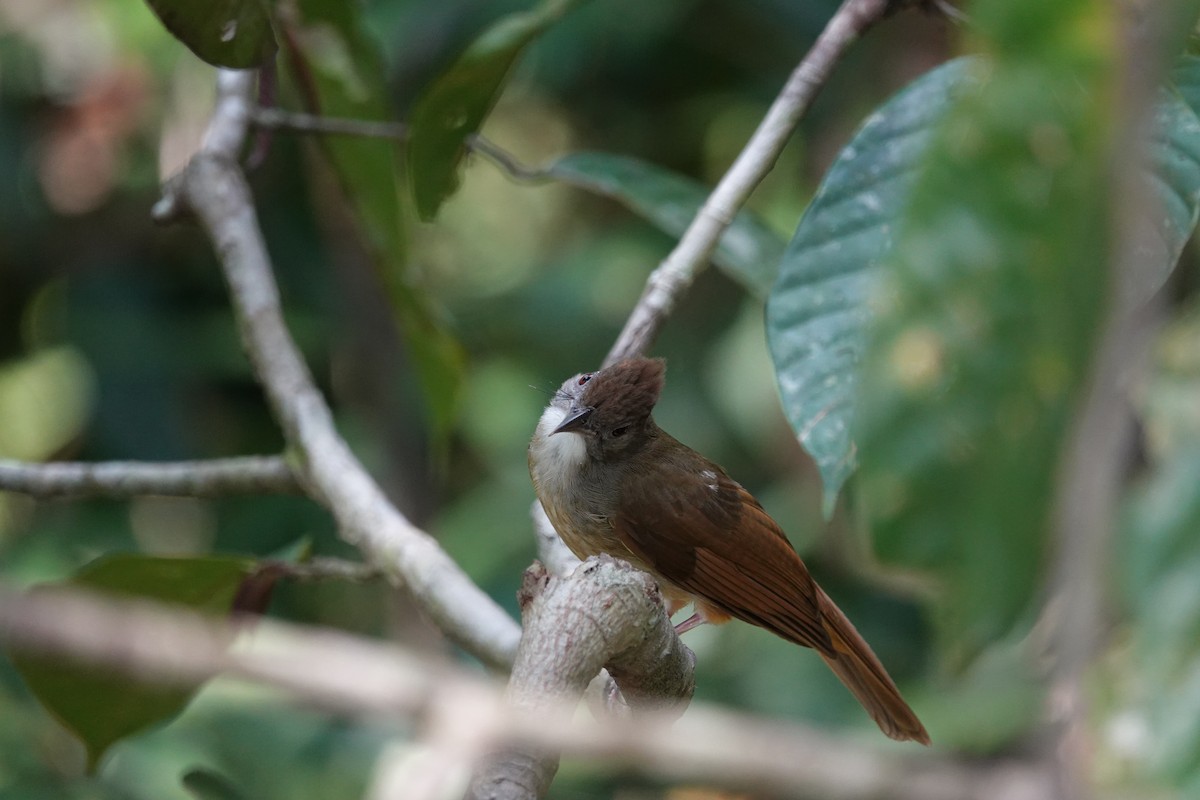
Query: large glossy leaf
x=985, y=318
x=340, y=72
x=457, y=103
x=226, y=33
x=749, y=251
x=817, y=312
x=101, y=706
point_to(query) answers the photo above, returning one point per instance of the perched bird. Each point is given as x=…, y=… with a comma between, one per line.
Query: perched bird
x=612, y=481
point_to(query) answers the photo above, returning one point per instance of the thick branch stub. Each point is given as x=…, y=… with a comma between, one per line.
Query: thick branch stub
x=605, y=613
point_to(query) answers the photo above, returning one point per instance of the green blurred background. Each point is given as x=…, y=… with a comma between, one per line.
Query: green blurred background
x=117, y=342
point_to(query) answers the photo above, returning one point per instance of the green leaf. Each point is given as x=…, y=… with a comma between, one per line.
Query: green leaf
x=341, y=73
x=749, y=251
x=456, y=104
x=817, y=312
x=986, y=315
x=1175, y=163
x=226, y=33
x=101, y=706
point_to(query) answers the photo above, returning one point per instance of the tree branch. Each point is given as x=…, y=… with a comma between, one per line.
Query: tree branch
x=691, y=254
x=363, y=677
x=606, y=613
x=214, y=188
x=120, y=479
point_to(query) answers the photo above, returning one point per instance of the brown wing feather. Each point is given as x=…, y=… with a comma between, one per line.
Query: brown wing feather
x=711, y=537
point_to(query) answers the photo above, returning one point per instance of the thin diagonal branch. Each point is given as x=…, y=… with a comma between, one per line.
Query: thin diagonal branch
x=120, y=479
x=691, y=254
x=214, y=188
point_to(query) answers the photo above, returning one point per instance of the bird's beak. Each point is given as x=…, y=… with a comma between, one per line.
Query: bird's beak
x=574, y=420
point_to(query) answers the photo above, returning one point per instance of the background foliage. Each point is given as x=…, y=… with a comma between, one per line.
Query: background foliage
x=952, y=249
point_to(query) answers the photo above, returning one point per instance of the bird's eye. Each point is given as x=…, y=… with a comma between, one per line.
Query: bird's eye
x=621, y=431
x=587, y=376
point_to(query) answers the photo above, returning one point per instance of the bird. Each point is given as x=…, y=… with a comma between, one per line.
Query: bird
x=612, y=481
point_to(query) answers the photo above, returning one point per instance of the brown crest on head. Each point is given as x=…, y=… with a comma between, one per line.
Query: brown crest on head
x=625, y=392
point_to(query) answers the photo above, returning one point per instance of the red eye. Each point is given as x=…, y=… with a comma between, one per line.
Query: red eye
x=585, y=378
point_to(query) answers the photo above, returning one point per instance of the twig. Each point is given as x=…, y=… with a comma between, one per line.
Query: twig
x=506, y=161
x=363, y=677
x=214, y=188
x=280, y=119
x=297, y=122
x=119, y=479
x=690, y=255
x=323, y=569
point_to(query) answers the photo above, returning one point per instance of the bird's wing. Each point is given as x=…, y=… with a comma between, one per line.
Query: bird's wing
x=714, y=540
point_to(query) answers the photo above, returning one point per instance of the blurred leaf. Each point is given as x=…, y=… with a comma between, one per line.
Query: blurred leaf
x=44, y=402
x=817, y=311
x=1158, y=558
x=206, y=784
x=986, y=317
x=457, y=103
x=101, y=706
x=1000, y=686
x=235, y=34
x=749, y=251
x=341, y=73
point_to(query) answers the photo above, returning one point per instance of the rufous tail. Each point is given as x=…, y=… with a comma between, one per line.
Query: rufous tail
x=857, y=667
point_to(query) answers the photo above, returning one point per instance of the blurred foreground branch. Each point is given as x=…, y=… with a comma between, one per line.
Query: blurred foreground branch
x=337, y=671
x=690, y=255
x=117, y=479
x=1097, y=453
x=213, y=187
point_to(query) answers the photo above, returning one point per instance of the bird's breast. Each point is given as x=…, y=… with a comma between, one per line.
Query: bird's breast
x=572, y=491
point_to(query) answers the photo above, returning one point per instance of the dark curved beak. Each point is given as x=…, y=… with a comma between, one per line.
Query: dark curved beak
x=574, y=420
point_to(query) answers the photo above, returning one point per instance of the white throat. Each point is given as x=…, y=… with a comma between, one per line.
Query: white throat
x=560, y=453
